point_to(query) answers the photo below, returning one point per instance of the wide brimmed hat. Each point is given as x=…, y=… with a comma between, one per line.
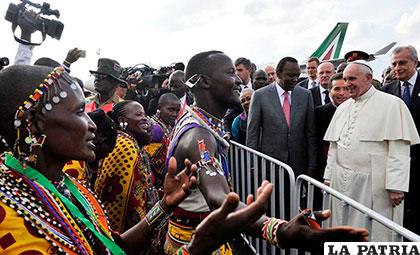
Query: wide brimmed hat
x=109, y=67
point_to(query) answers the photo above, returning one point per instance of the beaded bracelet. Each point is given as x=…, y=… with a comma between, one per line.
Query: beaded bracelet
x=271, y=225
x=183, y=250
x=156, y=216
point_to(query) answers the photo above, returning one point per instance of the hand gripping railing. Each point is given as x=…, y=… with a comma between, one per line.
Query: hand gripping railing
x=370, y=215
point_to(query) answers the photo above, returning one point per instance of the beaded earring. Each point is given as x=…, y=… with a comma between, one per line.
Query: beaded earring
x=5, y=144
x=123, y=125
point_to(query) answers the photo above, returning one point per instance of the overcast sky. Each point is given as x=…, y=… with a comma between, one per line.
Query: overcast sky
x=160, y=32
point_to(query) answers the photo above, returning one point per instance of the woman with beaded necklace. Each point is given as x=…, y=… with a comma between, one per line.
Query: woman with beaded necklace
x=124, y=181
x=42, y=210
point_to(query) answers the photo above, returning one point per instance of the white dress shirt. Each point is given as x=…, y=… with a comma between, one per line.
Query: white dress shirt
x=412, y=81
x=247, y=86
x=310, y=81
x=280, y=92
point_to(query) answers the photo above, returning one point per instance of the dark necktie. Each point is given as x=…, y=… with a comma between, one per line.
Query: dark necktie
x=327, y=98
x=406, y=93
x=313, y=84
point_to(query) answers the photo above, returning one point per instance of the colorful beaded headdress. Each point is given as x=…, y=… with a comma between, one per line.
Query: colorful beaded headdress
x=34, y=99
x=48, y=92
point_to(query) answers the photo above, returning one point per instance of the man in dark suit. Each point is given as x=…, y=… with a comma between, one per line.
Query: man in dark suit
x=320, y=93
x=281, y=120
x=407, y=86
x=311, y=68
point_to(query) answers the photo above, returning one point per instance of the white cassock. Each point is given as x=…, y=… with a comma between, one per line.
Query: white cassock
x=369, y=154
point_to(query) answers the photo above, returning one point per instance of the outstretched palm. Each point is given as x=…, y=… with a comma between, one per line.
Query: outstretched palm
x=177, y=187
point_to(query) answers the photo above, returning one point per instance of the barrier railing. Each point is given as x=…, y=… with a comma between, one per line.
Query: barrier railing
x=249, y=168
x=370, y=215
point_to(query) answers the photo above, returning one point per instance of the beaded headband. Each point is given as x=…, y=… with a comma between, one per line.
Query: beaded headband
x=46, y=87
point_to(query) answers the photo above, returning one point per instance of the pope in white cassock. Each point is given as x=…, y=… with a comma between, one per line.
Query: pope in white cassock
x=369, y=155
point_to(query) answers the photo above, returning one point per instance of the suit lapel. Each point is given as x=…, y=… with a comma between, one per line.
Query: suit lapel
x=395, y=90
x=294, y=105
x=415, y=96
x=318, y=95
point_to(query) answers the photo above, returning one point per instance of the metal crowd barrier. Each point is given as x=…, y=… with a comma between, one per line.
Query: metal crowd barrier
x=249, y=168
x=399, y=232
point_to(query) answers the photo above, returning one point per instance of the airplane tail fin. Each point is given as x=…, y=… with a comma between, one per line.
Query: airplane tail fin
x=330, y=48
x=382, y=51
x=385, y=49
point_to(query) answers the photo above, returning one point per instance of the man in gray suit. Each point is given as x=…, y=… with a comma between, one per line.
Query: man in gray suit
x=281, y=120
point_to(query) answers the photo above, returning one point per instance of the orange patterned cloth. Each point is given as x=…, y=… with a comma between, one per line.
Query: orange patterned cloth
x=124, y=184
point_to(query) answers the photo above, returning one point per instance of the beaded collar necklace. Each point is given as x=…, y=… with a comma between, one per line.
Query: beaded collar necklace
x=165, y=128
x=44, y=184
x=206, y=121
x=214, y=123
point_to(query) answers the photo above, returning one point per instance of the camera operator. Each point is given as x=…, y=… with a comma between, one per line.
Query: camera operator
x=146, y=85
x=25, y=50
x=30, y=21
x=107, y=80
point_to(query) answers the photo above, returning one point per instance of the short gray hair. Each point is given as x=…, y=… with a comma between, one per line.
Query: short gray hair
x=411, y=50
x=246, y=90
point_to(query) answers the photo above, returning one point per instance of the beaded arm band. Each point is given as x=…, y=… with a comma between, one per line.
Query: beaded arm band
x=156, y=216
x=206, y=161
x=271, y=225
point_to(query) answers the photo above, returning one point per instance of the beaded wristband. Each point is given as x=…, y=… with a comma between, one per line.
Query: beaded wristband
x=157, y=216
x=271, y=225
x=183, y=250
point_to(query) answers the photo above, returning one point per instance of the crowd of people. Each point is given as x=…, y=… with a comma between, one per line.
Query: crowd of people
x=339, y=127
x=121, y=171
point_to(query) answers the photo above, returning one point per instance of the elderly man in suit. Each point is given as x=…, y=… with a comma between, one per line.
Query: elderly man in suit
x=404, y=61
x=320, y=93
x=281, y=120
